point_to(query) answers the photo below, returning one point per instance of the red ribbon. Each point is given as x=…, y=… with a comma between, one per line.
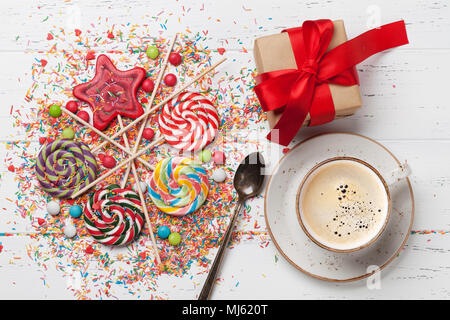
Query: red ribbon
x=305, y=89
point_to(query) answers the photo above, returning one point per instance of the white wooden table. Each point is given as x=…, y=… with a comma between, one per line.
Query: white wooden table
x=406, y=108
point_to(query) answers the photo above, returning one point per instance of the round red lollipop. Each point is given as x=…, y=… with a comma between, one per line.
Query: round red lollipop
x=108, y=161
x=148, y=85
x=83, y=115
x=148, y=133
x=72, y=106
x=175, y=58
x=170, y=79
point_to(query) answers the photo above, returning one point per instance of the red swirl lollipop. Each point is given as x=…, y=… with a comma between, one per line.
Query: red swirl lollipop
x=189, y=121
x=111, y=92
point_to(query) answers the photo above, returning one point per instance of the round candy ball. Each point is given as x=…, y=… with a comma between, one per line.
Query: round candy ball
x=148, y=85
x=75, y=211
x=152, y=52
x=84, y=115
x=108, y=161
x=174, y=238
x=164, y=232
x=55, y=111
x=148, y=133
x=205, y=155
x=170, y=79
x=143, y=187
x=69, y=230
x=53, y=207
x=72, y=106
x=175, y=58
x=218, y=157
x=68, y=133
x=219, y=175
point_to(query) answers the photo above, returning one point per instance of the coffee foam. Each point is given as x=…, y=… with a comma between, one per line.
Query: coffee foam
x=343, y=204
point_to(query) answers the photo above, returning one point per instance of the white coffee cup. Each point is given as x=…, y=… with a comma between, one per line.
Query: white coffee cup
x=344, y=203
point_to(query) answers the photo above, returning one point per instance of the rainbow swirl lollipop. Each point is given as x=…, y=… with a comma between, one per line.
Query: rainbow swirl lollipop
x=179, y=186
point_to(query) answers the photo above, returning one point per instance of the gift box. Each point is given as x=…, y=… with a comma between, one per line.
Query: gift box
x=307, y=75
x=274, y=52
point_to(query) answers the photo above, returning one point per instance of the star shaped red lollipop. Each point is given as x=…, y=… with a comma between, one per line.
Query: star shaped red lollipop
x=111, y=93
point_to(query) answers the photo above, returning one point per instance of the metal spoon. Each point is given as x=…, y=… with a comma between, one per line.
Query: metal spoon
x=248, y=181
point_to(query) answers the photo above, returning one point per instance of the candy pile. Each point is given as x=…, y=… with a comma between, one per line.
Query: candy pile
x=188, y=239
x=112, y=94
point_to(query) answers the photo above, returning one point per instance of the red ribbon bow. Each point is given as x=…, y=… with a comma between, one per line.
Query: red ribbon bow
x=305, y=89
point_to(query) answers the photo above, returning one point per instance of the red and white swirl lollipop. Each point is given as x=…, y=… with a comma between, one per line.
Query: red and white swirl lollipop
x=189, y=121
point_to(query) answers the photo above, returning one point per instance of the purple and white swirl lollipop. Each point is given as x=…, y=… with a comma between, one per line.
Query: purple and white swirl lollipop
x=65, y=166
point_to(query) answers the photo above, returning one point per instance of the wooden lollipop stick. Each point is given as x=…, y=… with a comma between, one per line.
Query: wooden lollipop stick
x=104, y=136
x=147, y=218
x=141, y=195
x=148, y=112
x=152, y=98
x=127, y=145
x=120, y=165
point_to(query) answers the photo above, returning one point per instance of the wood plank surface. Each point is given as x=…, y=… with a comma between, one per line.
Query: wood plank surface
x=405, y=107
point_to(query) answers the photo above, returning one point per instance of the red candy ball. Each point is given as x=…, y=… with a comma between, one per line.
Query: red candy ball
x=170, y=79
x=108, y=161
x=148, y=85
x=72, y=106
x=83, y=115
x=148, y=133
x=175, y=58
x=218, y=157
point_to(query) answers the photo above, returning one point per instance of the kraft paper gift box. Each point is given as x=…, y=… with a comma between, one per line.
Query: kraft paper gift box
x=274, y=52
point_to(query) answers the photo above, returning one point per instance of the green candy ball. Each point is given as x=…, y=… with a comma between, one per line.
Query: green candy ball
x=152, y=52
x=205, y=155
x=68, y=133
x=55, y=111
x=174, y=238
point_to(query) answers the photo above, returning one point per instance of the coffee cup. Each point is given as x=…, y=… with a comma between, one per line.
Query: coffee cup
x=344, y=203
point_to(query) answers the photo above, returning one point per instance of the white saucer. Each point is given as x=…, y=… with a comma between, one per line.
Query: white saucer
x=284, y=227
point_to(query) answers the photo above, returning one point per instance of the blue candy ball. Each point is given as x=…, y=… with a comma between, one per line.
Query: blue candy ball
x=75, y=211
x=163, y=232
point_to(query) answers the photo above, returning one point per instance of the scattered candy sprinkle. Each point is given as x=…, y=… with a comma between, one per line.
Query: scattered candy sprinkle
x=104, y=271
